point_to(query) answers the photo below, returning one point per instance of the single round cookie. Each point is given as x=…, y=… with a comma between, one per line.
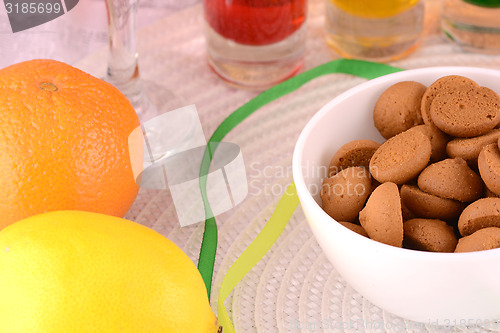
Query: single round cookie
x=345, y=194
x=488, y=163
x=465, y=112
x=398, y=108
x=354, y=227
x=439, y=140
x=482, y=213
x=381, y=218
x=484, y=239
x=429, y=235
x=444, y=83
x=402, y=157
x=451, y=178
x=425, y=205
x=353, y=153
x=469, y=148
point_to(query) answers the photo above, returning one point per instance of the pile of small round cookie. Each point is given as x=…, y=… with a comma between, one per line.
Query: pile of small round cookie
x=434, y=185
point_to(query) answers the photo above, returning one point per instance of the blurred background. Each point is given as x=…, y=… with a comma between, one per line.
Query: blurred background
x=56, y=39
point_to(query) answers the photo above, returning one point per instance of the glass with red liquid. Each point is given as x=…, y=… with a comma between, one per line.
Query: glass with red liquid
x=255, y=43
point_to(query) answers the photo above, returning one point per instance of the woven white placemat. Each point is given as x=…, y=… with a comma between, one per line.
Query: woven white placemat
x=293, y=288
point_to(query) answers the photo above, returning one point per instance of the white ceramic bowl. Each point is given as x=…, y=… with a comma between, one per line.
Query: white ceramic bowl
x=434, y=288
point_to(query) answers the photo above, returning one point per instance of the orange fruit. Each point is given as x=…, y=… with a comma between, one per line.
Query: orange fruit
x=63, y=142
x=73, y=271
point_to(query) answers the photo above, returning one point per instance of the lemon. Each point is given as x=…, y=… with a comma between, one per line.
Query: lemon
x=374, y=8
x=71, y=271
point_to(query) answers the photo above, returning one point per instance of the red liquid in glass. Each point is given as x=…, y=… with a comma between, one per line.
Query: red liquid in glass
x=255, y=22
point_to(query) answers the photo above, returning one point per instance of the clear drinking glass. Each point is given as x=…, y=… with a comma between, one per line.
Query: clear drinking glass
x=473, y=24
x=380, y=30
x=165, y=131
x=255, y=43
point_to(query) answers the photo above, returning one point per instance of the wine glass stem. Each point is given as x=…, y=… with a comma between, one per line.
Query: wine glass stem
x=123, y=68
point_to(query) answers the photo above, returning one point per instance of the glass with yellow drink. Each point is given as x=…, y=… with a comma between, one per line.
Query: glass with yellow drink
x=379, y=30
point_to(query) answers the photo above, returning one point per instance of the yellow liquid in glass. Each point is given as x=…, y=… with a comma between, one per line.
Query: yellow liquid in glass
x=374, y=8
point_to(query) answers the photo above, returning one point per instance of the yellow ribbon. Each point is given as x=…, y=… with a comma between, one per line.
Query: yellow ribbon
x=288, y=203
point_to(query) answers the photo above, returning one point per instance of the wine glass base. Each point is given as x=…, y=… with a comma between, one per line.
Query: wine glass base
x=154, y=100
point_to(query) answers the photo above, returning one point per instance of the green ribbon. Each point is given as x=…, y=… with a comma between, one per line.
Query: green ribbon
x=485, y=3
x=288, y=203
